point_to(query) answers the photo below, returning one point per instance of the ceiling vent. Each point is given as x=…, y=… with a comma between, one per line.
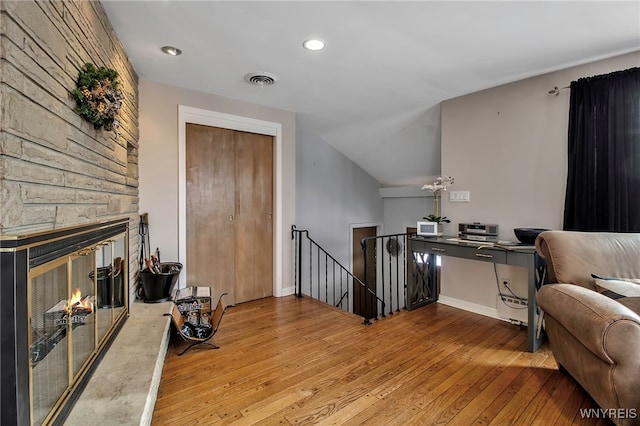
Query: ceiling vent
x=261, y=79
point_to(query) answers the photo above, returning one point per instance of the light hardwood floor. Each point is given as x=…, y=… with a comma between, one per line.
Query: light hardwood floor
x=296, y=361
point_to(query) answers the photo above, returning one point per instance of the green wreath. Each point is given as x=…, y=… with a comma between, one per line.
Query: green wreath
x=98, y=98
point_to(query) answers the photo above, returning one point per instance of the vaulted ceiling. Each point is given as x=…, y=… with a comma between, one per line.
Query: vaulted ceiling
x=373, y=91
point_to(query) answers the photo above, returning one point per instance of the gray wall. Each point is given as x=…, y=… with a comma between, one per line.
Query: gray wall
x=403, y=212
x=508, y=147
x=408, y=143
x=405, y=205
x=332, y=193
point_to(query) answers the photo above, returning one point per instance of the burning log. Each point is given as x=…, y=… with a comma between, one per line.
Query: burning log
x=71, y=312
x=78, y=307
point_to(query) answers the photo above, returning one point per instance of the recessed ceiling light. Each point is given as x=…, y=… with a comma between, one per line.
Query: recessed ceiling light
x=313, y=44
x=170, y=50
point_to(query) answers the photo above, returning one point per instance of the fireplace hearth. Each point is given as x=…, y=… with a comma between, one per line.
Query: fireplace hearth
x=63, y=298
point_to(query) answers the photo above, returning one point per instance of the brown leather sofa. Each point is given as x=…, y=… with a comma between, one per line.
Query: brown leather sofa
x=594, y=337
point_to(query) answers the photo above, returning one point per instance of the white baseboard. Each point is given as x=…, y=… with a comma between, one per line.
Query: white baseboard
x=287, y=291
x=469, y=306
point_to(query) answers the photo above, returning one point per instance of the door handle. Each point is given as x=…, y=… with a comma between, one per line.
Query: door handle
x=270, y=216
x=230, y=218
x=488, y=256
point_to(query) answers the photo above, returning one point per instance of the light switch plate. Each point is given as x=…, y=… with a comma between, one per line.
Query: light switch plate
x=459, y=196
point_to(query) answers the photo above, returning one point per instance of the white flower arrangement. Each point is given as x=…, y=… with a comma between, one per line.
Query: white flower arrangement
x=436, y=187
x=440, y=184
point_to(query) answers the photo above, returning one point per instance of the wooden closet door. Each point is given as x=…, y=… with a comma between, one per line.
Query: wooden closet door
x=229, y=212
x=210, y=197
x=254, y=208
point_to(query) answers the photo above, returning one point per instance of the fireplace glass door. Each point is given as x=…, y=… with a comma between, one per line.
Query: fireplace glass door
x=104, y=312
x=50, y=327
x=111, y=283
x=82, y=307
x=120, y=278
x=76, y=302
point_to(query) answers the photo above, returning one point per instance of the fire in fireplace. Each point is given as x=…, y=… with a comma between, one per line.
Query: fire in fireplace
x=72, y=312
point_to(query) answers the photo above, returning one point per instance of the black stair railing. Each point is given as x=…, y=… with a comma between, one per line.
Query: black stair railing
x=345, y=296
x=320, y=276
x=388, y=259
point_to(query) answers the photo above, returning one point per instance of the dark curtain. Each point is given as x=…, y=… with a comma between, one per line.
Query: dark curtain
x=603, y=181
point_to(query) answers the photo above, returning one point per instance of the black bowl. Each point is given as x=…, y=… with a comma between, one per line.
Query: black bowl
x=527, y=235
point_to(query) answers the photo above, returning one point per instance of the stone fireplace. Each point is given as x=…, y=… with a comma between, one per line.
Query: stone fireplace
x=66, y=191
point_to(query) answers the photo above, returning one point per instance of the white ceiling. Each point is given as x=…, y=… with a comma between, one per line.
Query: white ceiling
x=373, y=91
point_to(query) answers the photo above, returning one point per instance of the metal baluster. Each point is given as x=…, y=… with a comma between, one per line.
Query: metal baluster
x=390, y=281
x=366, y=284
x=318, y=281
x=342, y=290
x=295, y=264
x=326, y=278
x=310, y=268
x=350, y=285
x=397, y=274
x=299, y=275
x=379, y=252
x=382, y=268
x=334, y=282
x=404, y=271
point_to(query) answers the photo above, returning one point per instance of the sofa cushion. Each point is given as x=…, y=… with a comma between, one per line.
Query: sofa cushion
x=632, y=303
x=572, y=256
x=617, y=287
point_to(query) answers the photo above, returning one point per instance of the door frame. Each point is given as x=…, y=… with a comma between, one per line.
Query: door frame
x=204, y=117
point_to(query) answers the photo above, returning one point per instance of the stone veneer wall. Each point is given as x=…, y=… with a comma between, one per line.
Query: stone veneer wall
x=56, y=170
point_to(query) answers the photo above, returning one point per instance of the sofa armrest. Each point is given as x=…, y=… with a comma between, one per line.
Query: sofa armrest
x=605, y=327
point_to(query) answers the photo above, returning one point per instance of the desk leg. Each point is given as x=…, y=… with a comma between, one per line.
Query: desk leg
x=536, y=275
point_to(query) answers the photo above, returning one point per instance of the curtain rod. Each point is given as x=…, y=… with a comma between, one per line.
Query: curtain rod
x=556, y=90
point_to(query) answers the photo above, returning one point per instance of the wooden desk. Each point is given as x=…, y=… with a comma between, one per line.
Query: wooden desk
x=422, y=289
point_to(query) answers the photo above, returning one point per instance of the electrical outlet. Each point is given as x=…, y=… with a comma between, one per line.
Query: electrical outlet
x=514, y=300
x=512, y=308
